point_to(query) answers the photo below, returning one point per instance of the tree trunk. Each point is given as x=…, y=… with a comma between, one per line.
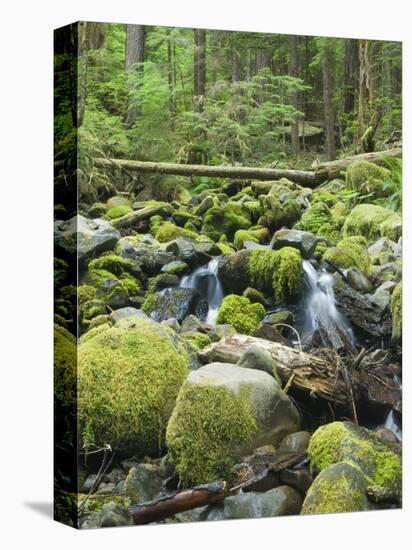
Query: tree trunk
x=350, y=75
x=199, y=76
x=328, y=107
x=294, y=131
x=135, y=46
x=167, y=506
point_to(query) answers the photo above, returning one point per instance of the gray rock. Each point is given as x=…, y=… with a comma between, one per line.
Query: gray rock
x=386, y=272
x=178, y=303
x=176, y=267
x=84, y=237
x=166, y=280
x=166, y=467
x=114, y=515
x=304, y=241
x=88, y=483
x=172, y=323
x=381, y=245
x=270, y=332
x=300, y=479
x=281, y=501
x=124, y=312
x=206, y=203
x=143, y=483
x=117, y=200
x=190, y=252
x=193, y=324
x=254, y=296
x=297, y=442
x=284, y=316
x=257, y=358
x=357, y=280
x=221, y=331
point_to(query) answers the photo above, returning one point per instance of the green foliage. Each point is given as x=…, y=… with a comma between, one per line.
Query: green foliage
x=350, y=252
x=119, y=211
x=393, y=184
x=241, y=313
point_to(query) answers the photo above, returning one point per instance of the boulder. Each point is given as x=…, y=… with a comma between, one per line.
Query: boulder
x=297, y=442
x=143, y=483
x=257, y=358
x=177, y=303
x=114, y=515
x=84, y=237
x=357, y=280
x=304, y=241
x=281, y=501
x=191, y=252
x=193, y=324
x=221, y=331
x=373, y=222
x=340, y=487
x=381, y=245
x=222, y=412
x=172, y=323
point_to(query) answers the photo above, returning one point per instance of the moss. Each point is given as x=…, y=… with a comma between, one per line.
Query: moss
x=254, y=209
x=255, y=235
x=315, y=217
x=86, y=293
x=339, y=488
x=350, y=252
x=60, y=272
x=178, y=268
x=241, y=313
x=119, y=211
x=90, y=309
x=113, y=263
x=373, y=222
x=109, y=288
x=367, y=178
x=277, y=271
x=168, y=231
x=396, y=311
x=208, y=425
x=254, y=295
x=344, y=441
x=225, y=219
x=65, y=384
x=126, y=392
x=225, y=248
x=197, y=339
x=131, y=284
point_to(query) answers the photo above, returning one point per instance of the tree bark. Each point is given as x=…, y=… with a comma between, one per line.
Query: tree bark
x=199, y=73
x=135, y=46
x=167, y=506
x=350, y=75
x=328, y=107
x=294, y=131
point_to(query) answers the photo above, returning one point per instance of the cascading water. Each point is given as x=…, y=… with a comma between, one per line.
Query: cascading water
x=206, y=280
x=391, y=422
x=319, y=313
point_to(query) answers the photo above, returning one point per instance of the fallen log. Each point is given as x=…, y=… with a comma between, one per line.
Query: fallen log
x=141, y=215
x=168, y=506
x=307, y=178
x=321, y=377
x=332, y=169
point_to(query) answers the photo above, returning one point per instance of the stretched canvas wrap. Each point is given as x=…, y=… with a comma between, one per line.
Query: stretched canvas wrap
x=228, y=275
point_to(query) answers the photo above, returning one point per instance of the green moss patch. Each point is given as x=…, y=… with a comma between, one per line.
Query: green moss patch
x=373, y=222
x=241, y=313
x=349, y=252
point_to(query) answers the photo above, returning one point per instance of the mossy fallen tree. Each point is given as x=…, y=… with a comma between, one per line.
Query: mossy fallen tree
x=309, y=178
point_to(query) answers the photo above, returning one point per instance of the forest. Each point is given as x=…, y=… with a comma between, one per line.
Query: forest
x=228, y=274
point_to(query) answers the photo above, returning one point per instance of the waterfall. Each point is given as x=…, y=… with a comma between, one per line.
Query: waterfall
x=206, y=280
x=320, y=317
x=391, y=422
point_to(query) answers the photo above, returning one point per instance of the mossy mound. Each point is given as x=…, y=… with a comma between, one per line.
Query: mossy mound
x=113, y=263
x=315, y=217
x=241, y=313
x=396, y=311
x=277, y=215
x=276, y=271
x=350, y=252
x=168, y=231
x=119, y=211
x=197, y=340
x=338, y=488
x=255, y=235
x=368, y=178
x=226, y=220
x=373, y=222
x=345, y=441
x=126, y=392
x=65, y=384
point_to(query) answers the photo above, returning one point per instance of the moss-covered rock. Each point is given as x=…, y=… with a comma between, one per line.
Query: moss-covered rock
x=241, y=313
x=349, y=252
x=197, y=340
x=368, y=178
x=126, y=391
x=340, y=487
x=315, y=217
x=396, y=311
x=65, y=384
x=168, y=231
x=255, y=235
x=117, y=200
x=221, y=412
x=373, y=222
x=345, y=441
x=119, y=211
x=113, y=263
x=276, y=215
x=226, y=219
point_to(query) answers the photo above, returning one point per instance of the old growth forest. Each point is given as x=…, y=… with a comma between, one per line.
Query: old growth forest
x=228, y=274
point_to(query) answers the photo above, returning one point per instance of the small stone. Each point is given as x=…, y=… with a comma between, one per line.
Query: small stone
x=114, y=515
x=172, y=323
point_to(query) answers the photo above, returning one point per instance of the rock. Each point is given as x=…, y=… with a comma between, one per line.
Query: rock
x=221, y=331
x=206, y=203
x=373, y=222
x=340, y=487
x=84, y=237
x=128, y=379
x=257, y=358
x=281, y=501
x=144, y=255
x=295, y=443
x=381, y=297
x=165, y=280
x=387, y=272
x=381, y=245
x=118, y=200
x=368, y=178
x=304, y=241
x=172, y=323
x=224, y=411
x=193, y=324
x=300, y=479
x=114, y=515
x=178, y=303
x=283, y=316
x=175, y=268
x=254, y=296
x=396, y=311
x=345, y=441
x=191, y=252
x=143, y=483
x=125, y=312
x=269, y=332
x=88, y=483
x=357, y=280
x=166, y=467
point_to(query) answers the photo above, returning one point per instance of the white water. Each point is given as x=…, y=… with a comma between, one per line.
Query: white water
x=206, y=280
x=392, y=425
x=320, y=313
